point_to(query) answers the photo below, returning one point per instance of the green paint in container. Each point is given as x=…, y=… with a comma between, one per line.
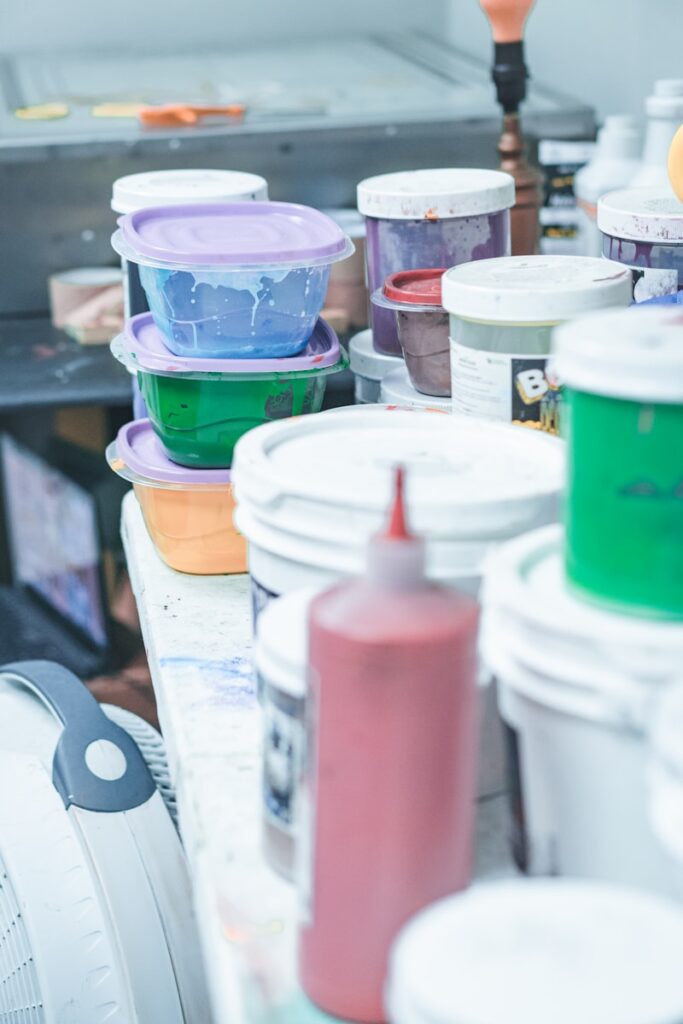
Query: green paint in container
x=200, y=407
x=623, y=372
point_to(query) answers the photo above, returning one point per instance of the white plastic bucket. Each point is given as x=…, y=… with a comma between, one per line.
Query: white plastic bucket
x=577, y=686
x=666, y=773
x=369, y=367
x=540, y=952
x=397, y=389
x=312, y=490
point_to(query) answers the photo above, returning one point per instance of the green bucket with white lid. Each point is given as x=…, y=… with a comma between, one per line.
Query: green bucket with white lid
x=502, y=313
x=623, y=372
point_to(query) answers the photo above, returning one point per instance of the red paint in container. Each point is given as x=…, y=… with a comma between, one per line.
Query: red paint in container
x=389, y=784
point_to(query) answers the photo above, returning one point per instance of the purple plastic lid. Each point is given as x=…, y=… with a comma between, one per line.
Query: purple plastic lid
x=139, y=448
x=234, y=234
x=146, y=345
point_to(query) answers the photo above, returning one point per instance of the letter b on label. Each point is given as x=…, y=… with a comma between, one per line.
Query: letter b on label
x=532, y=384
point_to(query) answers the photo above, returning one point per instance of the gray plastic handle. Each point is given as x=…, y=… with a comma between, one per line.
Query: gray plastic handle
x=84, y=723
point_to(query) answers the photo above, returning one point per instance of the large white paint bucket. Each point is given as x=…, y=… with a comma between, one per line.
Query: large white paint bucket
x=577, y=688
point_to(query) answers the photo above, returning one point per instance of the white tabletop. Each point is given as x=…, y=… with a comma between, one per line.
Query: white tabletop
x=197, y=632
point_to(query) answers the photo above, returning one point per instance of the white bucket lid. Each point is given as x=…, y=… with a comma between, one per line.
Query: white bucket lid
x=632, y=353
x=534, y=289
x=326, y=481
x=540, y=952
x=397, y=389
x=281, y=651
x=436, y=193
x=651, y=214
x=366, y=361
x=543, y=641
x=165, y=188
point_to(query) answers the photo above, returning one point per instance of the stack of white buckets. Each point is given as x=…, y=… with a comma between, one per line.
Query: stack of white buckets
x=578, y=687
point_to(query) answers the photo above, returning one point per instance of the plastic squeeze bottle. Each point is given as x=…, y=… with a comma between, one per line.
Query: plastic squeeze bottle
x=664, y=109
x=389, y=785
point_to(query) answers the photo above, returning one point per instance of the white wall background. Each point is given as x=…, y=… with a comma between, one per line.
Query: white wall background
x=605, y=52
x=170, y=24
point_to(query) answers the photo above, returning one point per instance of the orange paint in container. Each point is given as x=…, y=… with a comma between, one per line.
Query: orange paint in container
x=188, y=512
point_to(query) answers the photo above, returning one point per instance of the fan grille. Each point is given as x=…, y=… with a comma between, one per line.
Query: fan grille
x=153, y=750
x=20, y=999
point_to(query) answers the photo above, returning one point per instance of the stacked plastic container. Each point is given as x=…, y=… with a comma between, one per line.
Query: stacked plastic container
x=233, y=339
x=417, y=224
x=584, y=628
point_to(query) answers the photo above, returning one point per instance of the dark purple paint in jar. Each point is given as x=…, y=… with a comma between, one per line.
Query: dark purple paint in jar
x=430, y=218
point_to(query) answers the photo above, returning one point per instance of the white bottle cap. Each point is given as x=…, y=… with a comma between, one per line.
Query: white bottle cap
x=619, y=138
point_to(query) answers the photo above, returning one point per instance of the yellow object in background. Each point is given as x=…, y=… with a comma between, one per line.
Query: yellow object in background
x=130, y=110
x=675, y=163
x=42, y=112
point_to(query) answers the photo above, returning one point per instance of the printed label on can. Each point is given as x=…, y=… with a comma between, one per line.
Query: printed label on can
x=499, y=386
x=651, y=283
x=282, y=751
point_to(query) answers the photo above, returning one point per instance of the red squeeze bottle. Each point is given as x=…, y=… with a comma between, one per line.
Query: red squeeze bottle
x=389, y=787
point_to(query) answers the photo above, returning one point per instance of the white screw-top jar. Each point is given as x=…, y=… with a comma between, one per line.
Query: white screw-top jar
x=502, y=313
x=543, y=952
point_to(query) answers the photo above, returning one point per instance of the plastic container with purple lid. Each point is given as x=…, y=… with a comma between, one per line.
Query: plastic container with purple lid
x=414, y=296
x=200, y=407
x=188, y=512
x=233, y=280
x=430, y=218
x=642, y=228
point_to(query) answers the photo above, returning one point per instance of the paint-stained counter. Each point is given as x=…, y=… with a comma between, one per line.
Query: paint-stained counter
x=197, y=633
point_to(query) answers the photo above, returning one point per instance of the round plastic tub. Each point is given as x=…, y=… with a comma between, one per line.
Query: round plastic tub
x=539, y=952
x=281, y=656
x=397, y=390
x=308, y=504
x=643, y=229
x=414, y=297
x=624, y=513
x=188, y=513
x=576, y=687
x=430, y=218
x=666, y=773
x=502, y=314
x=233, y=280
x=201, y=407
x=166, y=188
x=369, y=367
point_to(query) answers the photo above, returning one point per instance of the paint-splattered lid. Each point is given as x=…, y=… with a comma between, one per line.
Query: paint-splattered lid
x=534, y=289
x=232, y=236
x=139, y=454
x=652, y=215
x=435, y=194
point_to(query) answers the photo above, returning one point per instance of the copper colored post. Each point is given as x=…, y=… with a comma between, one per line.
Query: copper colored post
x=524, y=214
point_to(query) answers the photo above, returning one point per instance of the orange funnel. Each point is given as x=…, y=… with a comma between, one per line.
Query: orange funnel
x=507, y=18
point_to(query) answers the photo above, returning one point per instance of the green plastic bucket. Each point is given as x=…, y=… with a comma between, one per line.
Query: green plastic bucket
x=200, y=407
x=623, y=373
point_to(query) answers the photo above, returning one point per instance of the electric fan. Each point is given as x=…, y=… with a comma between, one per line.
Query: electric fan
x=96, y=919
